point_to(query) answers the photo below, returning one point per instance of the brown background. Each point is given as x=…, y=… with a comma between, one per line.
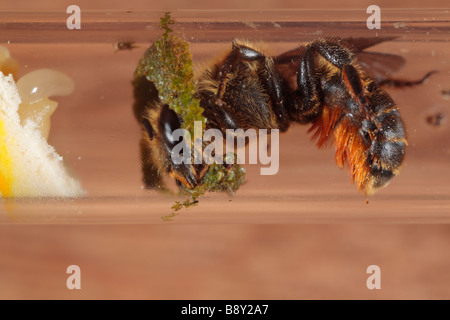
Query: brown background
x=292, y=243
x=202, y=4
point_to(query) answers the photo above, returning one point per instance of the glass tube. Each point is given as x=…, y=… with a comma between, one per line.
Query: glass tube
x=96, y=133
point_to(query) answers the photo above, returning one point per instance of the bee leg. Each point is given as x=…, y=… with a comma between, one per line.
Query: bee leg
x=238, y=54
x=309, y=90
x=340, y=61
x=272, y=80
x=276, y=87
x=354, y=85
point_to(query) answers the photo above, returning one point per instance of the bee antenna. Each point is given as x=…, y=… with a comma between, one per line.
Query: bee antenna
x=148, y=128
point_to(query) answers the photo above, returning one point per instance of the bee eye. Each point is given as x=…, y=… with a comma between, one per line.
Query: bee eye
x=168, y=123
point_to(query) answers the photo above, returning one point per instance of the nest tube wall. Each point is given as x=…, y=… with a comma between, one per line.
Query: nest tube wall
x=96, y=134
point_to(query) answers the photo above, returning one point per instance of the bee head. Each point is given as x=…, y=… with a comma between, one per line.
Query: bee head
x=167, y=123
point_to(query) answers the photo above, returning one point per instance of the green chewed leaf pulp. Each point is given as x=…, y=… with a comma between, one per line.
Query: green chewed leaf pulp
x=168, y=64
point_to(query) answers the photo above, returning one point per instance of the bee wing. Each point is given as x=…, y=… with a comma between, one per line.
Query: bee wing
x=360, y=44
x=380, y=65
x=377, y=65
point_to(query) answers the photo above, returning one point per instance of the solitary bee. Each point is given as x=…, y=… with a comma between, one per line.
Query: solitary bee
x=332, y=84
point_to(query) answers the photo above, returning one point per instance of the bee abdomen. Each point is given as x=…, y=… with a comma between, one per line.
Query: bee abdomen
x=387, y=149
x=369, y=137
